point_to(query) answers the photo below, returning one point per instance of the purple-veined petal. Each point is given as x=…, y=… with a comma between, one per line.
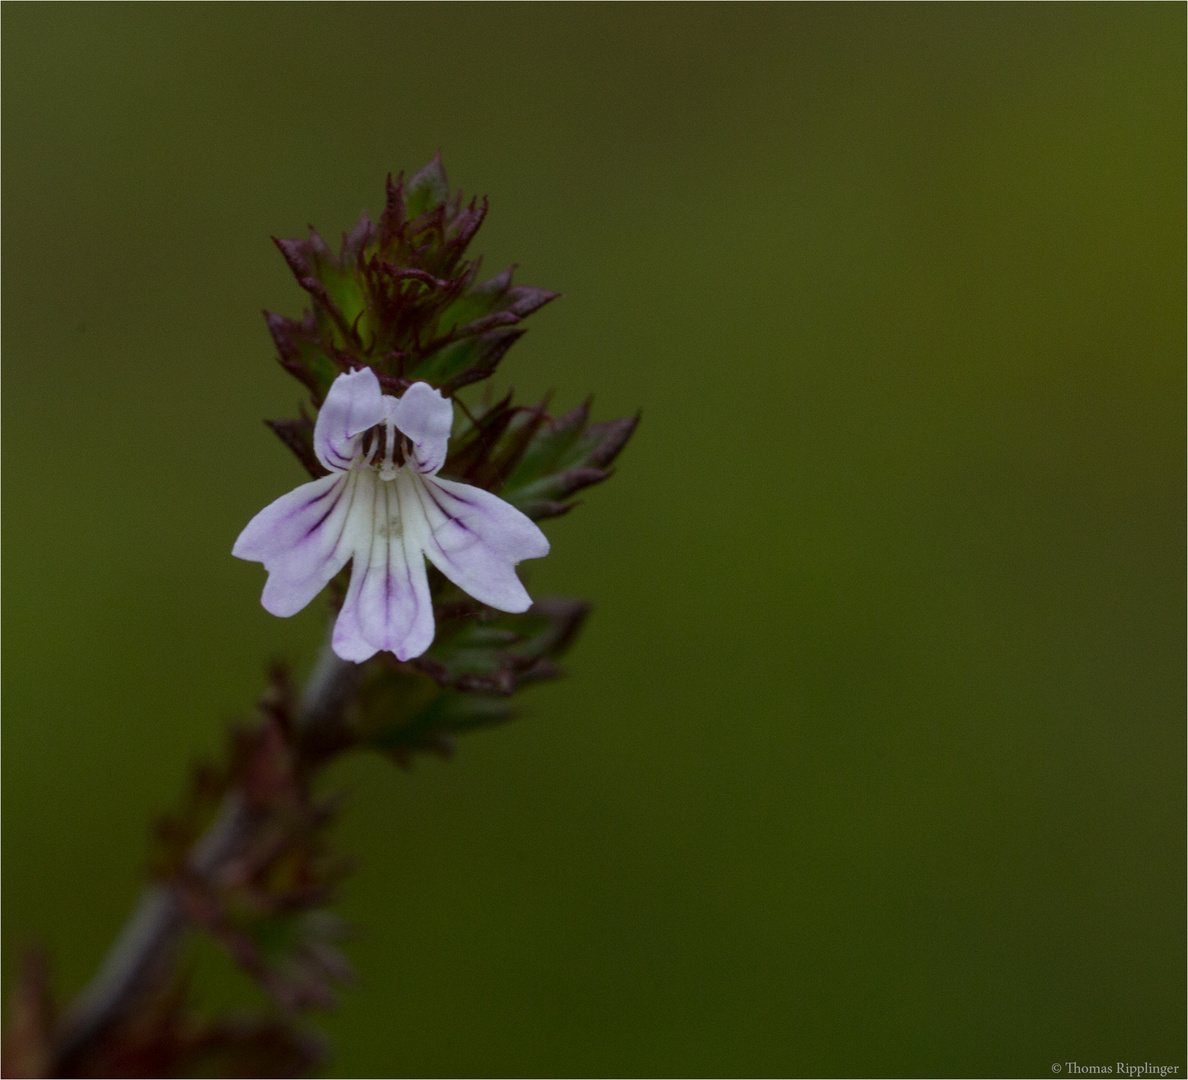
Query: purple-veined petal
x=474, y=538
x=348, y=640
x=425, y=417
x=354, y=404
x=302, y=539
x=387, y=605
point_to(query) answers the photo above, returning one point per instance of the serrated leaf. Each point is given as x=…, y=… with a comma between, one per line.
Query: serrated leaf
x=451, y=712
x=462, y=684
x=303, y=353
x=563, y=457
x=548, y=450
x=471, y=450
x=495, y=298
x=497, y=651
x=463, y=362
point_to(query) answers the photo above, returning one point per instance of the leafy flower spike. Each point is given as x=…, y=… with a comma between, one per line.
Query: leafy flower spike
x=384, y=507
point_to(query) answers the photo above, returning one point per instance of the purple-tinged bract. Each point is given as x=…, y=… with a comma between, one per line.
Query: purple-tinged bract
x=402, y=299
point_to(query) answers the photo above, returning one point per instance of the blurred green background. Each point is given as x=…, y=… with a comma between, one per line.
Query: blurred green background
x=872, y=757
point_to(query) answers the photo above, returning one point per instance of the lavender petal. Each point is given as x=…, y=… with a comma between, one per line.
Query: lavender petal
x=388, y=604
x=354, y=404
x=425, y=418
x=475, y=539
x=299, y=539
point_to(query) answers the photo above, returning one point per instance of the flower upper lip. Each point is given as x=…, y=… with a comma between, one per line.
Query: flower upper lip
x=387, y=518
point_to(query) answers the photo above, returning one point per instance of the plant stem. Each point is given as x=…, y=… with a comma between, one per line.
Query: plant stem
x=147, y=945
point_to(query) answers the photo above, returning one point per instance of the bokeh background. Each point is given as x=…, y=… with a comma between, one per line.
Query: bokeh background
x=872, y=756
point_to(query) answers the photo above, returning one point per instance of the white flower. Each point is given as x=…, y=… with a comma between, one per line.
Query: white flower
x=384, y=506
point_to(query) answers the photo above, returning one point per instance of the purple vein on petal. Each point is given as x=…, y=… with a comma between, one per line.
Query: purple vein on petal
x=314, y=500
x=449, y=516
x=353, y=484
x=337, y=490
x=387, y=560
x=409, y=555
x=342, y=489
x=423, y=491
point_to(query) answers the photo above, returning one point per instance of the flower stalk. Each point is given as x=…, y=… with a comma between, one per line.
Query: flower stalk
x=143, y=953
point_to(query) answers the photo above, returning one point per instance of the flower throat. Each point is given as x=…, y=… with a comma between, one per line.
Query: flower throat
x=392, y=447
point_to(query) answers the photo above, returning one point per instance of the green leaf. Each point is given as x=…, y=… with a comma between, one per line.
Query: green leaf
x=466, y=361
x=428, y=188
x=479, y=658
x=563, y=457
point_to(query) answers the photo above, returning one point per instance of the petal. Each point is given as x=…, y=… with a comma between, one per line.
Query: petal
x=302, y=540
x=426, y=418
x=476, y=539
x=348, y=640
x=354, y=404
x=388, y=604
